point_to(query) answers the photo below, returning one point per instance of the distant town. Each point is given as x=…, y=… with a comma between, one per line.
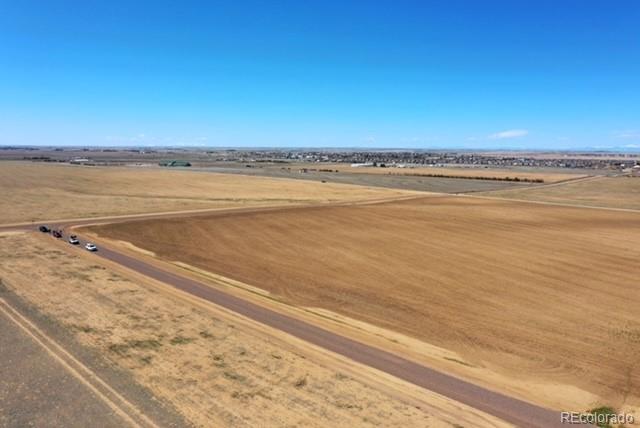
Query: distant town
x=378, y=158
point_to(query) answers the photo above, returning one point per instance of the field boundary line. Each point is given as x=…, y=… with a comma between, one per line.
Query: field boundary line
x=125, y=409
x=545, y=185
x=558, y=204
x=88, y=221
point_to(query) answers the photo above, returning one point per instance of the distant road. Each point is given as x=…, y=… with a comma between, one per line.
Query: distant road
x=509, y=409
x=554, y=184
x=200, y=212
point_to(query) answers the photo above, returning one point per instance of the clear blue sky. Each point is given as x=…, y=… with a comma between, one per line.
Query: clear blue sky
x=514, y=74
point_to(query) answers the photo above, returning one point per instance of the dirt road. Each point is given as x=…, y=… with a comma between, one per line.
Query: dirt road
x=62, y=223
x=512, y=410
x=509, y=409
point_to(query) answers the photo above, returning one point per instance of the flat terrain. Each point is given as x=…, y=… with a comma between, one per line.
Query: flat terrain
x=543, y=294
x=499, y=173
x=213, y=367
x=611, y=192
x=50, y=192
x=36, y=390
x=389, y=181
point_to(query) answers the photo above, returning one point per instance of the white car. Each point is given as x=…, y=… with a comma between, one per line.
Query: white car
x=91, y=247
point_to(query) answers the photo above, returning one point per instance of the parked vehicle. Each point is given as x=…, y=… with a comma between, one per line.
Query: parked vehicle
x=57, y=233
x=44, y=229
x=91, y=247
x=73, y=240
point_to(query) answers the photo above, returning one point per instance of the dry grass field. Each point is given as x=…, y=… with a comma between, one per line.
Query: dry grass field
x=390, y=181
x=51, y=192
x=213, y=367
x=546, y=295
x=548, y=177
x=611, y=192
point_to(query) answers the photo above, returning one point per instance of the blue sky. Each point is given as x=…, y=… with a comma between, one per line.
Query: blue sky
x=426, y=74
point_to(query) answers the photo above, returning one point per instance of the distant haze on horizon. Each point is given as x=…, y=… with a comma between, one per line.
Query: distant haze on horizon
x=495, y=75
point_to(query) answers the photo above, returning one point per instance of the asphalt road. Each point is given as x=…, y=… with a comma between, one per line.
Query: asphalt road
x=515, y=411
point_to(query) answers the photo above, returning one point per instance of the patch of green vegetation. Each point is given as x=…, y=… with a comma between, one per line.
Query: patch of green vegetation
x=301, y=382
x=340, y=376
x=123, y=348
x=251, y=394
x=343, y=405
x=181, y=340
x=605, y=412
x=234, y=376
x=146, y=359
x=119, y=348
x=84, y=328
x=81, y=276
x=145, y=344
x=205, y=334
x=218, y=360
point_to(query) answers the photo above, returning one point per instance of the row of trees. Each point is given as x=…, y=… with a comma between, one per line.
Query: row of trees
x=476, y=177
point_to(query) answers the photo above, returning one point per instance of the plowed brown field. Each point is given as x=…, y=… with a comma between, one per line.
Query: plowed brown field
x=612, y=192
x=546, y=294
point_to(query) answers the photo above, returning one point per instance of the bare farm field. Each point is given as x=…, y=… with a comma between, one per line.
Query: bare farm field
x=50, y=192
x=543, y=295
x=610, y=192
x=214, y=368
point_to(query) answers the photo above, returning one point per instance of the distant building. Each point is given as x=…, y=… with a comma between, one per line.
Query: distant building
x=175, y=163
x=79, y=161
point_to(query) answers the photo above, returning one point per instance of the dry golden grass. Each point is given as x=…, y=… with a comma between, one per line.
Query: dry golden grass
x=50, y=192
x=548, y=177
x=543, y=294
x=215, y=368
x=611, y=192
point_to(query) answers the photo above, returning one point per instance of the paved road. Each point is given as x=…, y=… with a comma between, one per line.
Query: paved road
x=509, y=409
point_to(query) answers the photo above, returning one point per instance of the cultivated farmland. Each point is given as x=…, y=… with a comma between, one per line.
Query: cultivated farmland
x=214, y=368
x=50, y=192
x=612, y=192
x=541, y=297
